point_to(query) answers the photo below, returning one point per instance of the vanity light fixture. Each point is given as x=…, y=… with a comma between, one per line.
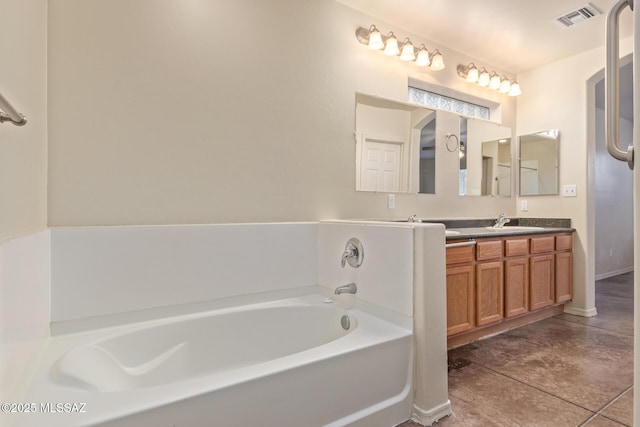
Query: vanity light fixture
x=482, y=77
x=408, y=52
x=405, y=51
x=391, y=46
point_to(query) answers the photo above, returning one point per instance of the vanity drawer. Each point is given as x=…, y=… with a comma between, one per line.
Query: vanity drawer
x=516, y=247
x=489, y=249
x=461, y=255
x=540, y=245
x=564, y=242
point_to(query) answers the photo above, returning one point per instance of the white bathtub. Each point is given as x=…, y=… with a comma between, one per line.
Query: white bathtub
x=287, y=362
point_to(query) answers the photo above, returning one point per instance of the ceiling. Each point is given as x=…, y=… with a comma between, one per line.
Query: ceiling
x=513, y=35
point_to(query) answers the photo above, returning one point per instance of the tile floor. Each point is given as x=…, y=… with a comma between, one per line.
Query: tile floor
x=562, y=371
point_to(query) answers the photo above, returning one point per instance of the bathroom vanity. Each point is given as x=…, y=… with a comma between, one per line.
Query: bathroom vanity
x=499, y=279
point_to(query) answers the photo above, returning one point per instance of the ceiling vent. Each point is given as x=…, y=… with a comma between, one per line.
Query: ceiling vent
x=577, y=16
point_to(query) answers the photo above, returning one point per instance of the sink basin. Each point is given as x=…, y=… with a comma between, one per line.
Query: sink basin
x=451, y=232
x=514, y=228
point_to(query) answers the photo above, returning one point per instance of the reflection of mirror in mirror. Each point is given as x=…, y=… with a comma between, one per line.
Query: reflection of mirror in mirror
x=485, y=159
x=395, y=146
x=539, y=163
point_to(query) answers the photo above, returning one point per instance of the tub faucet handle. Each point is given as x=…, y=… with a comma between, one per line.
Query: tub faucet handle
x=353, y=253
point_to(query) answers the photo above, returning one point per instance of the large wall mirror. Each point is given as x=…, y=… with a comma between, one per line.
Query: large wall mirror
x=395, y=146
x=485, y=159
x=539, y=163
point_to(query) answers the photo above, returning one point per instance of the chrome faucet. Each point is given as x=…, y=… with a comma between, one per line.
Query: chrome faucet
x=414, y=218
x=501, y=221
x=349, y=288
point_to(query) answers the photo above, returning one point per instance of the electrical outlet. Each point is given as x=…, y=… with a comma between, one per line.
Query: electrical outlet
x=391, y=203
x=569, y=190
x=524, y=205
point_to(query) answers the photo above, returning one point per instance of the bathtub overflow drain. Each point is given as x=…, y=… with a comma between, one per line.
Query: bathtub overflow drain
x=345, y=322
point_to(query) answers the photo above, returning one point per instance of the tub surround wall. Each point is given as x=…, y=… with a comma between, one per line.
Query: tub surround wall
x=403, y=269
x=24, y=310
x=385, y=277
x=99, y=271
x=431, y=399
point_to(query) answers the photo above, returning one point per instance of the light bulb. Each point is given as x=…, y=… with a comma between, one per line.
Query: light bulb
x=375, y=39
x=505, y=85
x=423, y=57
x=494, y=83
x=391, y=47
x=408, y=53
x=437, y=62
x=484, y=78
x=515, y=89
x=472, y=73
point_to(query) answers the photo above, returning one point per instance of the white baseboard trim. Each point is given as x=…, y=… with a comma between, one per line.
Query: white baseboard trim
x=431, y=416
x=581, y=311
x=614, y=273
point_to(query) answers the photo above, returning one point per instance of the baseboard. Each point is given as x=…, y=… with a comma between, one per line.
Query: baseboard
x=614, y=273
x=580, y=311
x=427, y=418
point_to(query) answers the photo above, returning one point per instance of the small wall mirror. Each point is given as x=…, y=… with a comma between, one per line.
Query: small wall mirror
x=539, y=163
x=395, y=146
x=485, y=159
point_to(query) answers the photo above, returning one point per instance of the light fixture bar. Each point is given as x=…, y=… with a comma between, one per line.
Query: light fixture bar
x=491, y=80
x=406, y=51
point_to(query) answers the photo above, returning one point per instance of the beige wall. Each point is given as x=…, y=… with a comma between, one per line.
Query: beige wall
x=226, y=111
x=565, y=91
x=23, y=150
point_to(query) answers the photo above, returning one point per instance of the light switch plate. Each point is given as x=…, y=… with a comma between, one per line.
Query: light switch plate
x=524, y=205
x=392, y=201
x=569, y=190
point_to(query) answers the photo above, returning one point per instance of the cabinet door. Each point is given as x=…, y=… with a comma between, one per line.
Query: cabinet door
x=489, y=292
x=460, y=299
x=541, y=280
x=564, y=276
x=516, y=286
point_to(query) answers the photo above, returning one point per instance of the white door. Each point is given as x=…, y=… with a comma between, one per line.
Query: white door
x=381, y=166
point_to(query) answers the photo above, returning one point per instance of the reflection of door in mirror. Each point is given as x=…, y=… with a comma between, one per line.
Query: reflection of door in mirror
x=485, y=159
x=381, y=165
x=395, y=146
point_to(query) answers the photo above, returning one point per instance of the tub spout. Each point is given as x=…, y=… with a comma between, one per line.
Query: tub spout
x=349, y=288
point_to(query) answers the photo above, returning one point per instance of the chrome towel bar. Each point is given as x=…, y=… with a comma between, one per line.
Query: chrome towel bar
x=10, y=114
x=612, y=87
x=460, y=244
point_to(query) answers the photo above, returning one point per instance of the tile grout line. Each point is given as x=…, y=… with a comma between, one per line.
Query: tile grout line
x=607, y=405
x=535, y=388
x=592, y=326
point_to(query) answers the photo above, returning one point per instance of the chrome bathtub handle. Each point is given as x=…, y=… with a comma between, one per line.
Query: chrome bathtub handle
x=612, y=86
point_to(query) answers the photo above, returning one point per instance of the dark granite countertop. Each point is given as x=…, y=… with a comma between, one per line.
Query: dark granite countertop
x=477, y=232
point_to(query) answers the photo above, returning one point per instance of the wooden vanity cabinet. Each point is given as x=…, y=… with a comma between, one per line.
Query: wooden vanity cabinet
x=516, y=276
x=542, y=272
x=564, y=268
x=500, y=283
x=489, y=282
x=460, y=290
